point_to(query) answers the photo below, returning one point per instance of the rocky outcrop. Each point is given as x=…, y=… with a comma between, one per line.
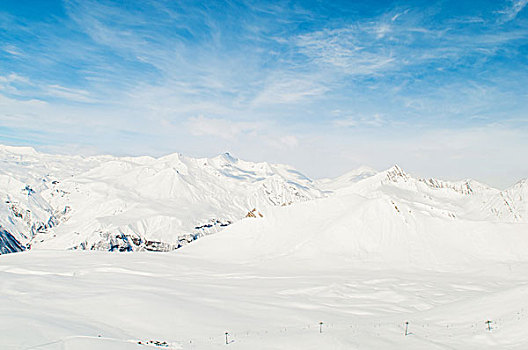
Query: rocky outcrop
x=254, y=213
x=8, y=243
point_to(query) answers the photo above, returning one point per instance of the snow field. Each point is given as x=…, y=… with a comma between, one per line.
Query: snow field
x=66, y=300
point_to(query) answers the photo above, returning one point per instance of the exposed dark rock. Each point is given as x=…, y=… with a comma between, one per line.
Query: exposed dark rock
x=8, y=243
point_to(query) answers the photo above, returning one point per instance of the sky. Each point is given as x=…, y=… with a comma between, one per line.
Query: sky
x=437, y=87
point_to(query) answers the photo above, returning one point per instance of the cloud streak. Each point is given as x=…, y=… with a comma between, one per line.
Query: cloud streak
x=510, y=12
x=223, y=128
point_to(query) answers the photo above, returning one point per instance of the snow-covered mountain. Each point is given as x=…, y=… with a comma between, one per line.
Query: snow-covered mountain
x=347, y=179
x=145, y=203
x=133, y=203
x=386, y=217
x=468, y=199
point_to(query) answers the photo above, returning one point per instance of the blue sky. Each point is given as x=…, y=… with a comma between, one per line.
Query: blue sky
x=440, y=88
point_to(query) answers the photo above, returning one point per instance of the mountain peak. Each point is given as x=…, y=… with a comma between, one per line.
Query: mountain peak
x=172, y=158
x=523, y=182
x=395, y=174
x=229, y=157
x=225, y=158
x=519, y=186
x=21, y=150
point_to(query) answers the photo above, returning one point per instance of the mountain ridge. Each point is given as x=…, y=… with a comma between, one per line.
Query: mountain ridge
x=129, y=203
x=146, y=203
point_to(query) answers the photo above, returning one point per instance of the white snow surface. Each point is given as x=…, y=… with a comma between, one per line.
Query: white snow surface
x=378, y=250
x=101, y=300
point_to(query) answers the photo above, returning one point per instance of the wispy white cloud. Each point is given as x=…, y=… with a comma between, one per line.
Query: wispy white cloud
x=398, y=14
x=12, y=50
x=282, y=142
x=294, y=90
x=343, y=48
x=374, y=120
x=397, y=41
x=512, y=10
x=12, y=83
x=242, y=137
x=23, y=87
x=69, y=94
x=349, y=122
x=13, y=78
x=223, y=128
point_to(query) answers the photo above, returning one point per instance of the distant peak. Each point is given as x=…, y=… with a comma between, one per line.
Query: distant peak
x=230, y=158
x=395, y=173
x=24, y=150
x=523, y=182
x=396, y=167
x=520, y=184
x=173, y=157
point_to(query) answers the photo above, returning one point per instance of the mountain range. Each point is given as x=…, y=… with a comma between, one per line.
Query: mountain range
x=160, y=204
